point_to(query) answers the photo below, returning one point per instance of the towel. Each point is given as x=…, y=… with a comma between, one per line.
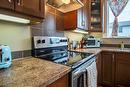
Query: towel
x=92, y=75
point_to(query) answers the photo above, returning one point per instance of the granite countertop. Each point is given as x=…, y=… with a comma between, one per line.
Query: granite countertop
x=31, y=72
x=98, y=50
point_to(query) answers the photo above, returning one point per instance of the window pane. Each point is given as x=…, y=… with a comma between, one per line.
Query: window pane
x=123, y=20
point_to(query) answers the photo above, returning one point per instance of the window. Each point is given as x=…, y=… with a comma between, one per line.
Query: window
x=123, y=21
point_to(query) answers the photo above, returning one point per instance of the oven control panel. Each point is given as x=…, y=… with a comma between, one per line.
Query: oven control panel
x=45, y=41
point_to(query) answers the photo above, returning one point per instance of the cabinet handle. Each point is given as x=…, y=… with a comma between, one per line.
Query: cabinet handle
x=83, y=23
x=19, y=2
x=9, y=1
x=113, y=57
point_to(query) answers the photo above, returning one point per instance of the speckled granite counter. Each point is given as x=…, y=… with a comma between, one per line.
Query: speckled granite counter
x=31, y=72
x=98, y=50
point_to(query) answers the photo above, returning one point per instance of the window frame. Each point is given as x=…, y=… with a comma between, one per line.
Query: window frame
x=105, y=20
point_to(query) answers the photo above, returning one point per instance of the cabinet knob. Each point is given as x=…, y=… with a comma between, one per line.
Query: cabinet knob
x=83, y=23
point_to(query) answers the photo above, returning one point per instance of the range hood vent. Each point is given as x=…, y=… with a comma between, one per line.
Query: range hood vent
x=61, y=6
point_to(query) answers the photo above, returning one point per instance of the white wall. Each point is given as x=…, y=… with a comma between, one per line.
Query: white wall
x=73, y=36
x=17, y=36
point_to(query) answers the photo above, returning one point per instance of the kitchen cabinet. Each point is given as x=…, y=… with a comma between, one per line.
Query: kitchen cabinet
x=62, y=82
x=82, y=15
x=70, y=20
x=33, y=7
x=59, y=21
x=7, y=4
x=77, y=19
x=95, y=15
x=122, y=75
x=116, y=69
x=108, y=69
x=99, y=66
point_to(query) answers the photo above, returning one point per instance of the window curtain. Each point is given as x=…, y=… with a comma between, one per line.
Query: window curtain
x=117, y=7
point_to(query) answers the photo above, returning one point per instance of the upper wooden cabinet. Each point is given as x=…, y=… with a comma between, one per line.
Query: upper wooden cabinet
x=82, y=15
x=59, y=20
x=77, y=19
x=7, y=4
x=95, y=15
x=33, y=7
x=70, y=20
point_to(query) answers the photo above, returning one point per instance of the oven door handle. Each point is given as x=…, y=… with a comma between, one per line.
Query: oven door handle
x=79, y=72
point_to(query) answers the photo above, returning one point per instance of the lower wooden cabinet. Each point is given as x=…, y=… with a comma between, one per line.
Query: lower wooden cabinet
x=62, y=82
x=115, y=69
x=99, y=64
x=107, y=69
x=122, y=74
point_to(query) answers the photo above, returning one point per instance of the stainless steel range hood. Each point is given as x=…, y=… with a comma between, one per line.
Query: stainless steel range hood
x=61, y=6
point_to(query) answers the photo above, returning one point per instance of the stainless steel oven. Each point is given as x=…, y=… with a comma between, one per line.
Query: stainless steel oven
x=55, y=49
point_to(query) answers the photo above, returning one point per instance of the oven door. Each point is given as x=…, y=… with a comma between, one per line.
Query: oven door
x=79, y=75
x=80, y=80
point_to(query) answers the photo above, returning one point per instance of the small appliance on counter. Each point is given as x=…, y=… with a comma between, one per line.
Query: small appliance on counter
x=5, y=56
x=92, y=42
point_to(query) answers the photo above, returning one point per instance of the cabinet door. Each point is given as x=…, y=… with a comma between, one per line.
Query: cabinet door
x=70, y=20
x=7, y=4
x=59, y=21
x=82, y=16
x=122, y=70
x=95, y=15
x=81, y=20
x=99, y=68
x=108, y=69
x=33, y=7
x=62, y=82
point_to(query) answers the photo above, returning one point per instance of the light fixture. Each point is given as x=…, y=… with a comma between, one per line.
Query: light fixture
x=66, y=1
x=14, y=19
x=80, y=31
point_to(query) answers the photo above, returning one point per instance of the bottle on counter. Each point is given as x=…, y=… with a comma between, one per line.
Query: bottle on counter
x=122, y=45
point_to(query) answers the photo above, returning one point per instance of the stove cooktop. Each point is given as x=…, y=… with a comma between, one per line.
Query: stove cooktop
x=74, y=59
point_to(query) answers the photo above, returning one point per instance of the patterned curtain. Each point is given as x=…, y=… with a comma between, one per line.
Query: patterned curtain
x=117, y=7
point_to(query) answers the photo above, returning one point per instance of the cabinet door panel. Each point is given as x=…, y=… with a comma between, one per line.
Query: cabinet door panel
x=33, y=7
x=62, y=82
x=107, y=69
x=59, y=21
x=99, y=70
x=70, y=20
x=7, y=4
x=123, y=69
x=82, y=16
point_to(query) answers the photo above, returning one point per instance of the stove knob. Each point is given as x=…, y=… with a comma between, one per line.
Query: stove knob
x=38, y=41
x=43, y=41
x=7, y=59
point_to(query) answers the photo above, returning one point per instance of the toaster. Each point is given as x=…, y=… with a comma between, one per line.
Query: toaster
x=5, y=56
